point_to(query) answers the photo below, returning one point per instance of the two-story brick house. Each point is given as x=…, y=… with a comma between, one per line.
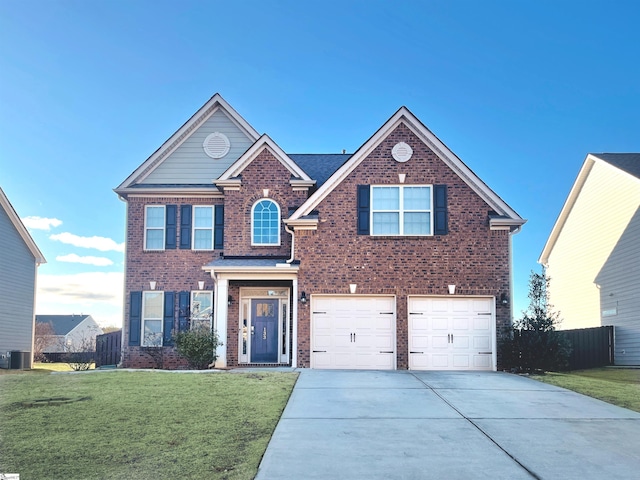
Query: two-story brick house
x=396, y=256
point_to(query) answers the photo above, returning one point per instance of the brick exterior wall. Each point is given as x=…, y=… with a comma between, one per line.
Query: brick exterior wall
x=471, y=256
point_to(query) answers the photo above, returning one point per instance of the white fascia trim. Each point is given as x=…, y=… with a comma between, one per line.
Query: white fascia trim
x=505, y=224
x=169, y=192
x=264, y=142
x=22, y=230
x=404, y=116
x=203, y=114
x=589, y=161
x=302, y=223
x=253, y=273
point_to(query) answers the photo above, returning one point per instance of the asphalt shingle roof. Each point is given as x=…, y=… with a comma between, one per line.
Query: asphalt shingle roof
x=629, y=162
x=320, y=166
x=62, y=324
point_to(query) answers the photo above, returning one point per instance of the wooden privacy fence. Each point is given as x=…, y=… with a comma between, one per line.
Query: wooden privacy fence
x=108, y=348
x=592, y=347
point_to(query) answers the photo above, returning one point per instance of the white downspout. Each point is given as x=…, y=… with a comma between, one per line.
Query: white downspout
x=294, y=333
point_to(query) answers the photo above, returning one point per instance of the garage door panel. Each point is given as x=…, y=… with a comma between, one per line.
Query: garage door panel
x=359, y=329
x=451, y=333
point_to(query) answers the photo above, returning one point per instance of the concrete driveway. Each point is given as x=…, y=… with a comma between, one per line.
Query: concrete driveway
x=447, y=425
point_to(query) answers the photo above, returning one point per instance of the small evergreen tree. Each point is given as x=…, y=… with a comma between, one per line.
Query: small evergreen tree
x=198, y=347
x=534, y=343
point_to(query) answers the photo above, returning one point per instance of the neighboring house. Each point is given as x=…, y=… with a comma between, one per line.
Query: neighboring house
x=19, y=261
x=315, y=260
x=593, y=253
x=71, y=333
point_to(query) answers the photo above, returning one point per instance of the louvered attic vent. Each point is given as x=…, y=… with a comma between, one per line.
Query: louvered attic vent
x=216, y=145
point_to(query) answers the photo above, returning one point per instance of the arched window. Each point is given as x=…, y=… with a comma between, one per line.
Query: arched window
x=265, y=223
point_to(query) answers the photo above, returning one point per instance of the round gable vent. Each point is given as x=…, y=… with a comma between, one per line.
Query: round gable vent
x=216, y=145
x=401, y=152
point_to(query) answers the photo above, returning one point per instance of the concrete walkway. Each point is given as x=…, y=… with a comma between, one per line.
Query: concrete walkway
x=447, y=425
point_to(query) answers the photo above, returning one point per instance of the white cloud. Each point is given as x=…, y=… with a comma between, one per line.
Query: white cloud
x=98, y=243
x=41, y=223
x=88, y=260
x=98, y=294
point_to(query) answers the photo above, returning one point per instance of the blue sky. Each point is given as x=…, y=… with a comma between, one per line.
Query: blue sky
x=521, y=91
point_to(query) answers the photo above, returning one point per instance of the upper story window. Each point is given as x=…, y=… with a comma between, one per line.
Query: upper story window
x=203, y=228
x=152, y=313
x=401, y=210
x=265, y=223
x=154, y=227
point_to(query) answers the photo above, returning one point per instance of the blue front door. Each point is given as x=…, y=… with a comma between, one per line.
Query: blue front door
x=264, y=331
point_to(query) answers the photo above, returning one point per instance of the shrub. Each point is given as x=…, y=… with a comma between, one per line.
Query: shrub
x=534, y=344
x=198, y=347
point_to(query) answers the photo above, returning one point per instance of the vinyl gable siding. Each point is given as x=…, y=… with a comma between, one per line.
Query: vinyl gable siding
x=17, y=289
x=590, y=233
x=189, y=164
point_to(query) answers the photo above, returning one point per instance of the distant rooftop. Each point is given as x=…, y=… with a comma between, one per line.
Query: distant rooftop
x=62, y=324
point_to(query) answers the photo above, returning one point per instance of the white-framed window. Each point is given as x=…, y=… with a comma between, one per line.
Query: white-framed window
x=402, y=210
x=152, y=311
x=265, y=223
x=203, y=227
x=154, y=227
x=201, y=309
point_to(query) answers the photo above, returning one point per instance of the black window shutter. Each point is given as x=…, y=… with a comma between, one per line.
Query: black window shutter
x=363, y=209
x=168, y=319
x=170, y=226
x=440, y=214
x=218, y=230
x=185, y=226
x=183, y=311
x=135, y=318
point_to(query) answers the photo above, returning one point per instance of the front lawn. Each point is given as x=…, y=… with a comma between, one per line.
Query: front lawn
x=142, y=425
x=619, y=386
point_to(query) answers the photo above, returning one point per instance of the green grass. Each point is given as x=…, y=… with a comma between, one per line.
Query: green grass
x=142, y=425
x=619, y=386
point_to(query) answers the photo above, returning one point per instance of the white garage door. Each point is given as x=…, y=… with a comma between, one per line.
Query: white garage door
x=353, y=332
x=451, y=333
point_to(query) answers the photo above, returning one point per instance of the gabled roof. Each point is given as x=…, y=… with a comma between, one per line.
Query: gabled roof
x=628, y=163
x=263, y=142
x=207, y=110
x=22, y=230
x=62, y=324
x=404, y=116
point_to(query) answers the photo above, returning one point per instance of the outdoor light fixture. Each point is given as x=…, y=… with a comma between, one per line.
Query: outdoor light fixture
x=452, y=289
x=201, y=285
x=152, y=285
x=229, y=300
x=303, y=298
x=504, y=299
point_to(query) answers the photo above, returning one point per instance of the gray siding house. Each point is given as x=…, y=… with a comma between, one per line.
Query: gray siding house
x=593, y=252
x=19, y=261
x=72, y=333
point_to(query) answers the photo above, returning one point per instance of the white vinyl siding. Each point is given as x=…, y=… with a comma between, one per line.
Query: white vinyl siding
x=189, y=164
x=203, y=227
x=152, y=313
x=17, y=289
x=154, y=227
x=401, y=210
x=592, y=230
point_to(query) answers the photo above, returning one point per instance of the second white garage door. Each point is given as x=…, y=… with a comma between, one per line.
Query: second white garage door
x=353, y=332
x=451, y=333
